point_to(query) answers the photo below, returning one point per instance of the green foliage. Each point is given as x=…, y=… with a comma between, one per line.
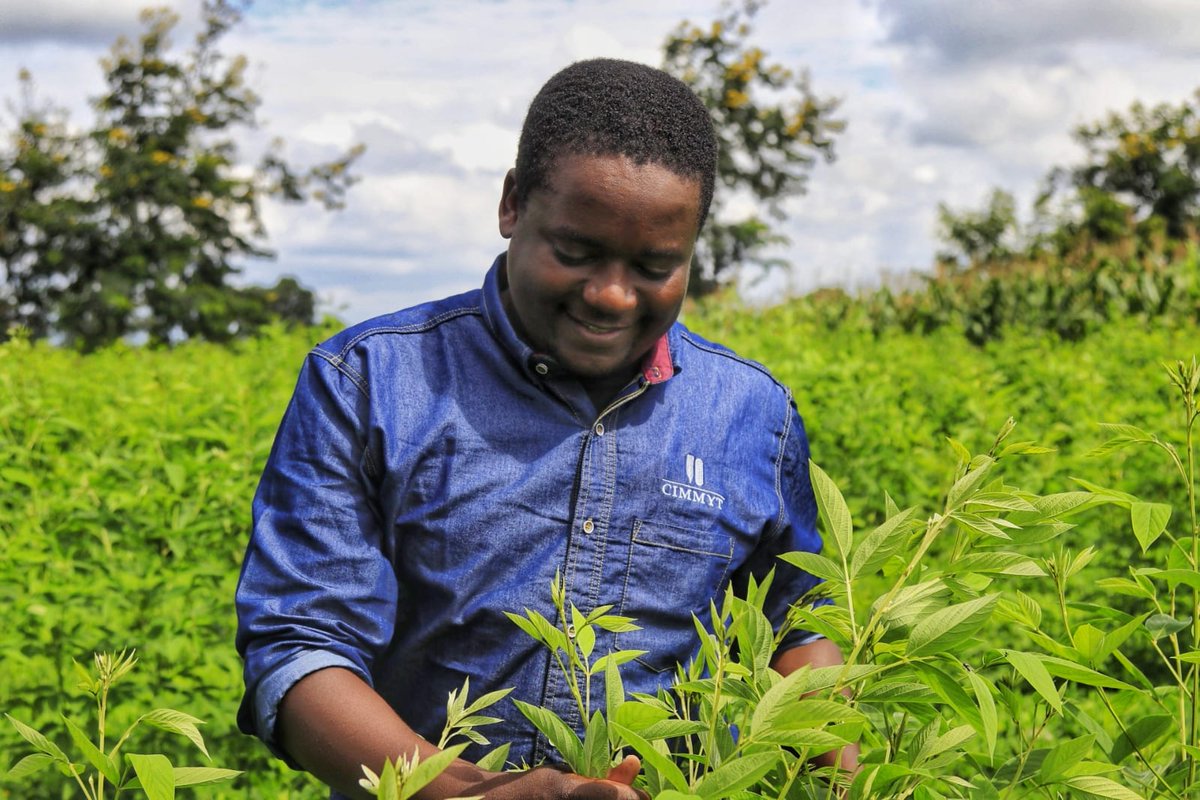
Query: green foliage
x=135, y=225
x=771, y=129
x=939, y=710
x=976, y=237
x=153, y=774
x=125, y=477
x=1148, y=158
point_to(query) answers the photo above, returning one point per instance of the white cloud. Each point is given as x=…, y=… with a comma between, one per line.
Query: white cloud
x=943, y=100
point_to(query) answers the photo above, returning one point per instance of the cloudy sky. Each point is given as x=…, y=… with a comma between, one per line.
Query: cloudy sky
x=943, y=100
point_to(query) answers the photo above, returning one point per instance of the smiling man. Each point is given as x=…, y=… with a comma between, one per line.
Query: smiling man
x=438, y=466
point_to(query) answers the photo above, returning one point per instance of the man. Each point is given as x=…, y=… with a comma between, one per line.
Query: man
x=438, y=466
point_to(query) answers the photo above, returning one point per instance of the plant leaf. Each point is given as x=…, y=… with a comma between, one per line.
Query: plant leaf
x=154, y=774
x=557, y=732
x=667, y=769
x=34, y=762
x=833, y=509
x=1034, y=672
x=595, y=747
x=203, y=776
x=168, y=719
x=733, y=776
x=950, y=626
x=428, y=769
x=1149, y=522
x=40, y=742
x=989, y=721
x=1102, y=787
x=103, y=764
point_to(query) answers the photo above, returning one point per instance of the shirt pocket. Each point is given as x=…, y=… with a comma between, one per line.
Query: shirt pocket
x=673, y=573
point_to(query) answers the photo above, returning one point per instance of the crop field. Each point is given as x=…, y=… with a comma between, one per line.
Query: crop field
x=126, y=478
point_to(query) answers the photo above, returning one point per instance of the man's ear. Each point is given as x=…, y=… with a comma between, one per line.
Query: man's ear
x=508, y=205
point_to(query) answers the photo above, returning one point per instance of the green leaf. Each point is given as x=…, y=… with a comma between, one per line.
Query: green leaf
x=614, y=692
x=489, y=699
x=1173, y=577
x=595, y=747
x=39, y=742
x=103, y=764
x=880, y=544
x=494, y=761
x=557, y=732
x=168, y=719
x=1034, y=672
x=616, y=657
x=937, y=745
x=585, y=640
x=1149, y=522
x=34, y=762
x=968, y=483
x=816, y=565
x=203, y=776
x=1143, y=734
x=154, y=774
x=999, y=563
x=667, y=769
x=637, y=715
x=833, y=509
x=755, y=637
x=733, y=776
x=788, y=722
x=428, y=769
x=1077, y=673
x=1062, y=757
x=1160, y=625
x=989, y=721
x=950, y=626
x=981, y=525
x=1102, y=787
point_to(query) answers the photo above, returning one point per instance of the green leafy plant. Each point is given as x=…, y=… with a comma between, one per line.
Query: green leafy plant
x=152, y=774
x=573, y=641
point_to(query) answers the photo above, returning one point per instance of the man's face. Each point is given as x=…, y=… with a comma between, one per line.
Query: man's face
x=598, y=262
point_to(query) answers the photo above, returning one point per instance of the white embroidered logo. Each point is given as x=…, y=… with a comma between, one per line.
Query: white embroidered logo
x=693, y=490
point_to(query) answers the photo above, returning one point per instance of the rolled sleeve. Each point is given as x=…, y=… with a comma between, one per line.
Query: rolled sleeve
x=316, y=589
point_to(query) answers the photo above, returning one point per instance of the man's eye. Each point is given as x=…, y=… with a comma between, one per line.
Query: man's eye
x=657, y=272
x=572, y=258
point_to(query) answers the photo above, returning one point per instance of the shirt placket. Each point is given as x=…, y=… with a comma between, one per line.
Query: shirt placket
x=587, y=545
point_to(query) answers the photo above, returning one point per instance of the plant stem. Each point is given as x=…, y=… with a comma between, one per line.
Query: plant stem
x=1190, y=421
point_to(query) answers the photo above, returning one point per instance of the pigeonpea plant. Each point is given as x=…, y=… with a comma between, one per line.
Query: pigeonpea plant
x=93, y=768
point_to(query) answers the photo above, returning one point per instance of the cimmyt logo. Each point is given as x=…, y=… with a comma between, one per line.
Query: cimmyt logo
x=693, y=491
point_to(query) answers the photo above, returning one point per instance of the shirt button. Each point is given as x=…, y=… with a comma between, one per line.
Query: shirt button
x=588, y=525
x=599, y=429
x=541, y=368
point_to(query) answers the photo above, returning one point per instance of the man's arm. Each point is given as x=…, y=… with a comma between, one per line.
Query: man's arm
x=332, y=723
x=818, y=653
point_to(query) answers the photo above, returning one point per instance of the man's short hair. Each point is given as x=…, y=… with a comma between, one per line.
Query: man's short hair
x=609, y=107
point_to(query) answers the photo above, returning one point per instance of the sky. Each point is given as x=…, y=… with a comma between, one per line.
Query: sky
x=943, y=100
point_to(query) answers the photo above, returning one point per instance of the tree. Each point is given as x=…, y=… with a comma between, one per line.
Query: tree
x=1149, y=159
x=771, y=129
x=987, y=236
x=136, y=225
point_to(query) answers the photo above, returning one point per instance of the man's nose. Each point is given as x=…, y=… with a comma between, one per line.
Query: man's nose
x=610, y=289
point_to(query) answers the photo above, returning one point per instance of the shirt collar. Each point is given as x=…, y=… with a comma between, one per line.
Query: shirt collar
x=657, y=366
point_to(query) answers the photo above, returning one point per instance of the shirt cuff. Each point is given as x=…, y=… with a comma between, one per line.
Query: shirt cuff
x=274, y=686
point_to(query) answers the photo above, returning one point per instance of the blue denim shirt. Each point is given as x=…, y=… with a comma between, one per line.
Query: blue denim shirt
x=433, y=472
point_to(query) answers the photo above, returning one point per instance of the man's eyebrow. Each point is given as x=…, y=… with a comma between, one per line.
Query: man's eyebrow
x=653, y=254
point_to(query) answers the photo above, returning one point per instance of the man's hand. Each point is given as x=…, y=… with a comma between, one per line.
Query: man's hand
x=332, y=723
x=557, y=784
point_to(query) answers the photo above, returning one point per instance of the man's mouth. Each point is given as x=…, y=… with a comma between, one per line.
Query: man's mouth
x=599, y=329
